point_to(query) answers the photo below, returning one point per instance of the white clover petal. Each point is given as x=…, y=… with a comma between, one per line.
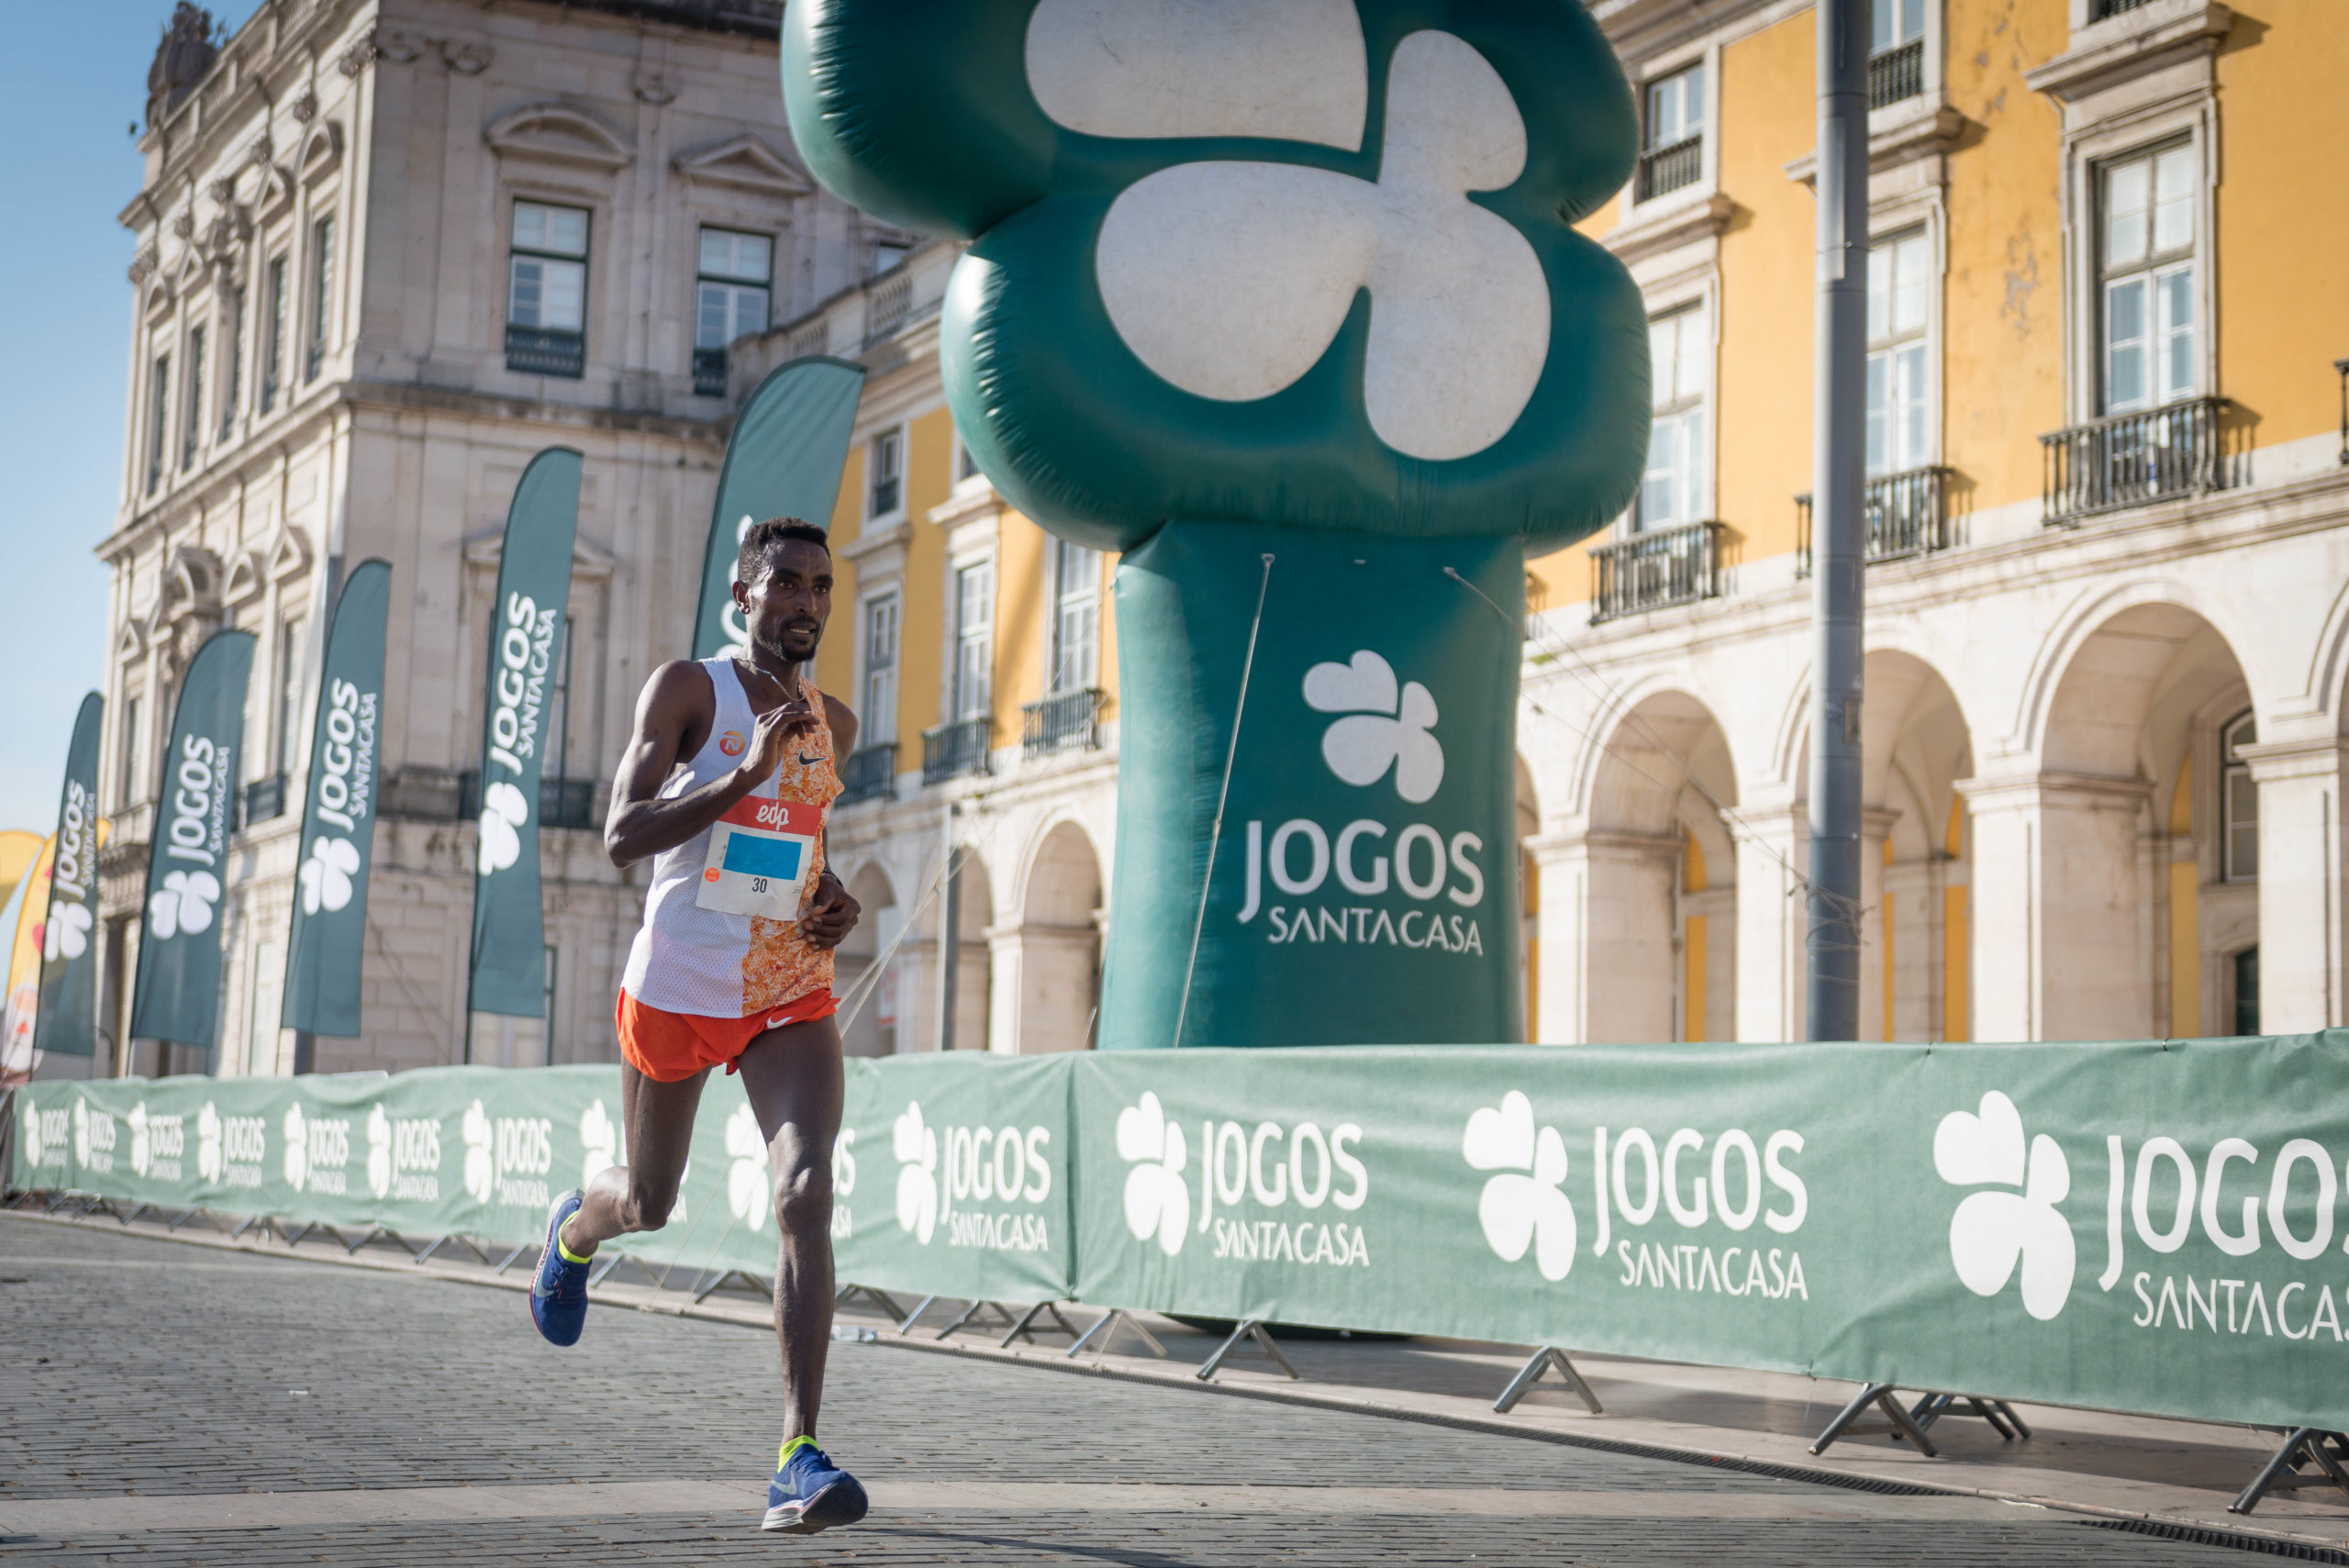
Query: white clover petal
x=1969, y=1149
x=1364, y=683
x=1500, y=1139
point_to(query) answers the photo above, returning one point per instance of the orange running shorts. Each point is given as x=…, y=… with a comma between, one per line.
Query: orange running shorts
x=670, y=1048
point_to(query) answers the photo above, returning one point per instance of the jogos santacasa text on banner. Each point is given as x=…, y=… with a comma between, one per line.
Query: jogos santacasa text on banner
x=508, y=970
x=1289, y=289
x=326, y=952
x=783, y=460
x=67, y=1020
x=177, y=995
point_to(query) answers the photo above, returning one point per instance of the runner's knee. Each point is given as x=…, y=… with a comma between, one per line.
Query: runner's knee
x=647, y=1208
x=803, y=1194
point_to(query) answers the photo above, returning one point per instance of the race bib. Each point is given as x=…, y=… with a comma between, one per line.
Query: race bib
x=759, y=856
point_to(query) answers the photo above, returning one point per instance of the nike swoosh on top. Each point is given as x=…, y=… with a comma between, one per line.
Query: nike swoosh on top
x=807, y=762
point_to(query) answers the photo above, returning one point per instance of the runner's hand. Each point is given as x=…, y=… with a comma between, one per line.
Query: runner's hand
x=832, y=916
x=773, y=734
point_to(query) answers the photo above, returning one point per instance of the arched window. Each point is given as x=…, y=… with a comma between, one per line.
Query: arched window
x=2238, y=800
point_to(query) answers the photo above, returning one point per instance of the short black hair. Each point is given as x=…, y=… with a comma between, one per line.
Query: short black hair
x=761, y=538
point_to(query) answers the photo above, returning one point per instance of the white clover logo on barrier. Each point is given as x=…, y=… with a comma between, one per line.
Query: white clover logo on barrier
x=1522, y=1205
x=1230, y=278
x=915, y=1147
x=599, y=1142
x=1993, y=1231
x=297, y=1149
x=143, y=1146
x=746, y=1170
x=326, y=875
x=67, y=934
x=81, y=1132
x=1157, y=1202
x=1384, y=728
x=503, y=812
x=481, y=1162
x=32, y=1139
x=207, y=1144
x=379, y=1152
x=183, y=904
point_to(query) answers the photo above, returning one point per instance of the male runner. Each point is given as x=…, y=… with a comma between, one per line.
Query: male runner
x=726, y=783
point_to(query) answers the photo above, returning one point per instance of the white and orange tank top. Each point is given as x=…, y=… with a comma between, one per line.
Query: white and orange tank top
x=722, y=935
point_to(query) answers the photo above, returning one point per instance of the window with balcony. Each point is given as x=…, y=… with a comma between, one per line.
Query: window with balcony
x=321, y=297
x=1899, y=416
x=2146, y=295
x=973, y=641
x=879, y=713
x=2238, y=800
x=1076, y=625
x=546, y=292
x=1896, y=51
x=159, y=399
x=734, y=275
x=1673, y=144
x=232, y=385
x=192, y=401
x=272, y=362
x=886, y=493
x=1672, y=489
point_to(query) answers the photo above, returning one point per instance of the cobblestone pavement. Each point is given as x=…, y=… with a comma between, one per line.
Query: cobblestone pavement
x=166, y=1404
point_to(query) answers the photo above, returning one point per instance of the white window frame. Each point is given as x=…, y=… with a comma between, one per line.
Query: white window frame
x=2191, y=116
x=583, y=258
x=957, y=709
x=2151, y=270
x=1063, y=599
x=1926, y=336
x=891, y=439
x=2231, y=773
x=969, y=483
x=877, y=719
x=1654, y=73
x=1703, y=301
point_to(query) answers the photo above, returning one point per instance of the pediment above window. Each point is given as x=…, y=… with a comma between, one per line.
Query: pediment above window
x=191, y=584
x=745, y=163
x=290, y=555
x=248, y=575
x=559, y=134
x=322, y=150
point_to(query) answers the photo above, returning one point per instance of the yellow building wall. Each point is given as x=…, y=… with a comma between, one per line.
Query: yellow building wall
x=835, y=656
x=2002, y=305
x=927, y=621
x=1021, y=629
x=1763, y=369
x=2281, y=225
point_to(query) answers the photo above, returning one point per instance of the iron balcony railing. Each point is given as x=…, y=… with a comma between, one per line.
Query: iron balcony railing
x=2129, y=459
x=1070, y=721
x=1669, y=167
x=265, y=799
x=870, y=773
x=1908, y=515
x=2100, y=9
x=1656, y=571
x=535, y=350
x=953, y=749
x=1896, y=73
x=709, y=372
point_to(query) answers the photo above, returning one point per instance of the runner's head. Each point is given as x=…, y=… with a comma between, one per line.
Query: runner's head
x=782, y=583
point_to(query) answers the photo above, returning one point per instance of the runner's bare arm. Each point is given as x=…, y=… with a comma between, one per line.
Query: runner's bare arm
x=673, y=719
x=833, y=914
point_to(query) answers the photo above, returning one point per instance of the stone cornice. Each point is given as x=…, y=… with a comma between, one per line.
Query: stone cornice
x=2119, y=47
x=1644, y=235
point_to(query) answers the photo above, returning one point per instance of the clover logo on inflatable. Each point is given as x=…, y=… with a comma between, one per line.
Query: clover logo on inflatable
x=1993, y=1231
x=1215, y=239
x=184, y=904
x=1522, y=1205
x=1384, y=728
x=1157, y=1202
x=915, y=1147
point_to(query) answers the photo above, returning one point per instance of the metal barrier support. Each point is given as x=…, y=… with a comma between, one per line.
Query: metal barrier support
x=461, y=1239
x=880, y=1299
x=972, y=1311
x=907, y=1326
x=1882, y=1396
x=703, y=1292
x=1264, y=1345
x=1545, y=1358
x=1028, y=1328
x=1997, y=1412
x=1107, y=1325
x=2326, y=1449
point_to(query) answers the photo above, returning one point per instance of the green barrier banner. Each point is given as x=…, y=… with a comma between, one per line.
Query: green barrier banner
x=325, y=955
x=782, y=461
x=177, y=993
x=960, y=1165
x=67, y=1020
x=2150, y=1226
x=509, y=973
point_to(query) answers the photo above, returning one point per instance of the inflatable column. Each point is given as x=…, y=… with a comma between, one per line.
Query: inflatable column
x=1281, y=299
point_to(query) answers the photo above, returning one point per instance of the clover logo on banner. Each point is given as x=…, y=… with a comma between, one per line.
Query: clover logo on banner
x=481, y=1163
x=1157, y=1202
x=33, y=1142
x=183, y=903
x=67, y=933
x=915, y=1147
x=326, y=876
x=599, y=1142
x=207, y=1144
x=746, y=1171
x=1522, y=1205
x=297, y=1149
x=1384, y=728
x=142, y=1147
x=1231, y=279
x=81, y=1132
x=379, y=1152
x=1994, y=1232
x=503, y=813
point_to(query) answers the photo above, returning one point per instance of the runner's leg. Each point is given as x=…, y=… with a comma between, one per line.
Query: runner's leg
x=658, y=1119
x=794, y=1078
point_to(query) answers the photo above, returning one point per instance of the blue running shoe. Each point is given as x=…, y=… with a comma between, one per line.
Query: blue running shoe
x=810, y=1493
x=559, y=1293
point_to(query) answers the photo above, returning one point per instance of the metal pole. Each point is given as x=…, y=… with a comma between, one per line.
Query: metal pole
x=949, y=936
x=1839, y=545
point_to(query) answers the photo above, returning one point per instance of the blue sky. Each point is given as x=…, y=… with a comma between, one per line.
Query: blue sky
x=72, y=79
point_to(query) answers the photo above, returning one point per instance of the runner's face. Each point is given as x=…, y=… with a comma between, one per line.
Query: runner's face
x=786, y=610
